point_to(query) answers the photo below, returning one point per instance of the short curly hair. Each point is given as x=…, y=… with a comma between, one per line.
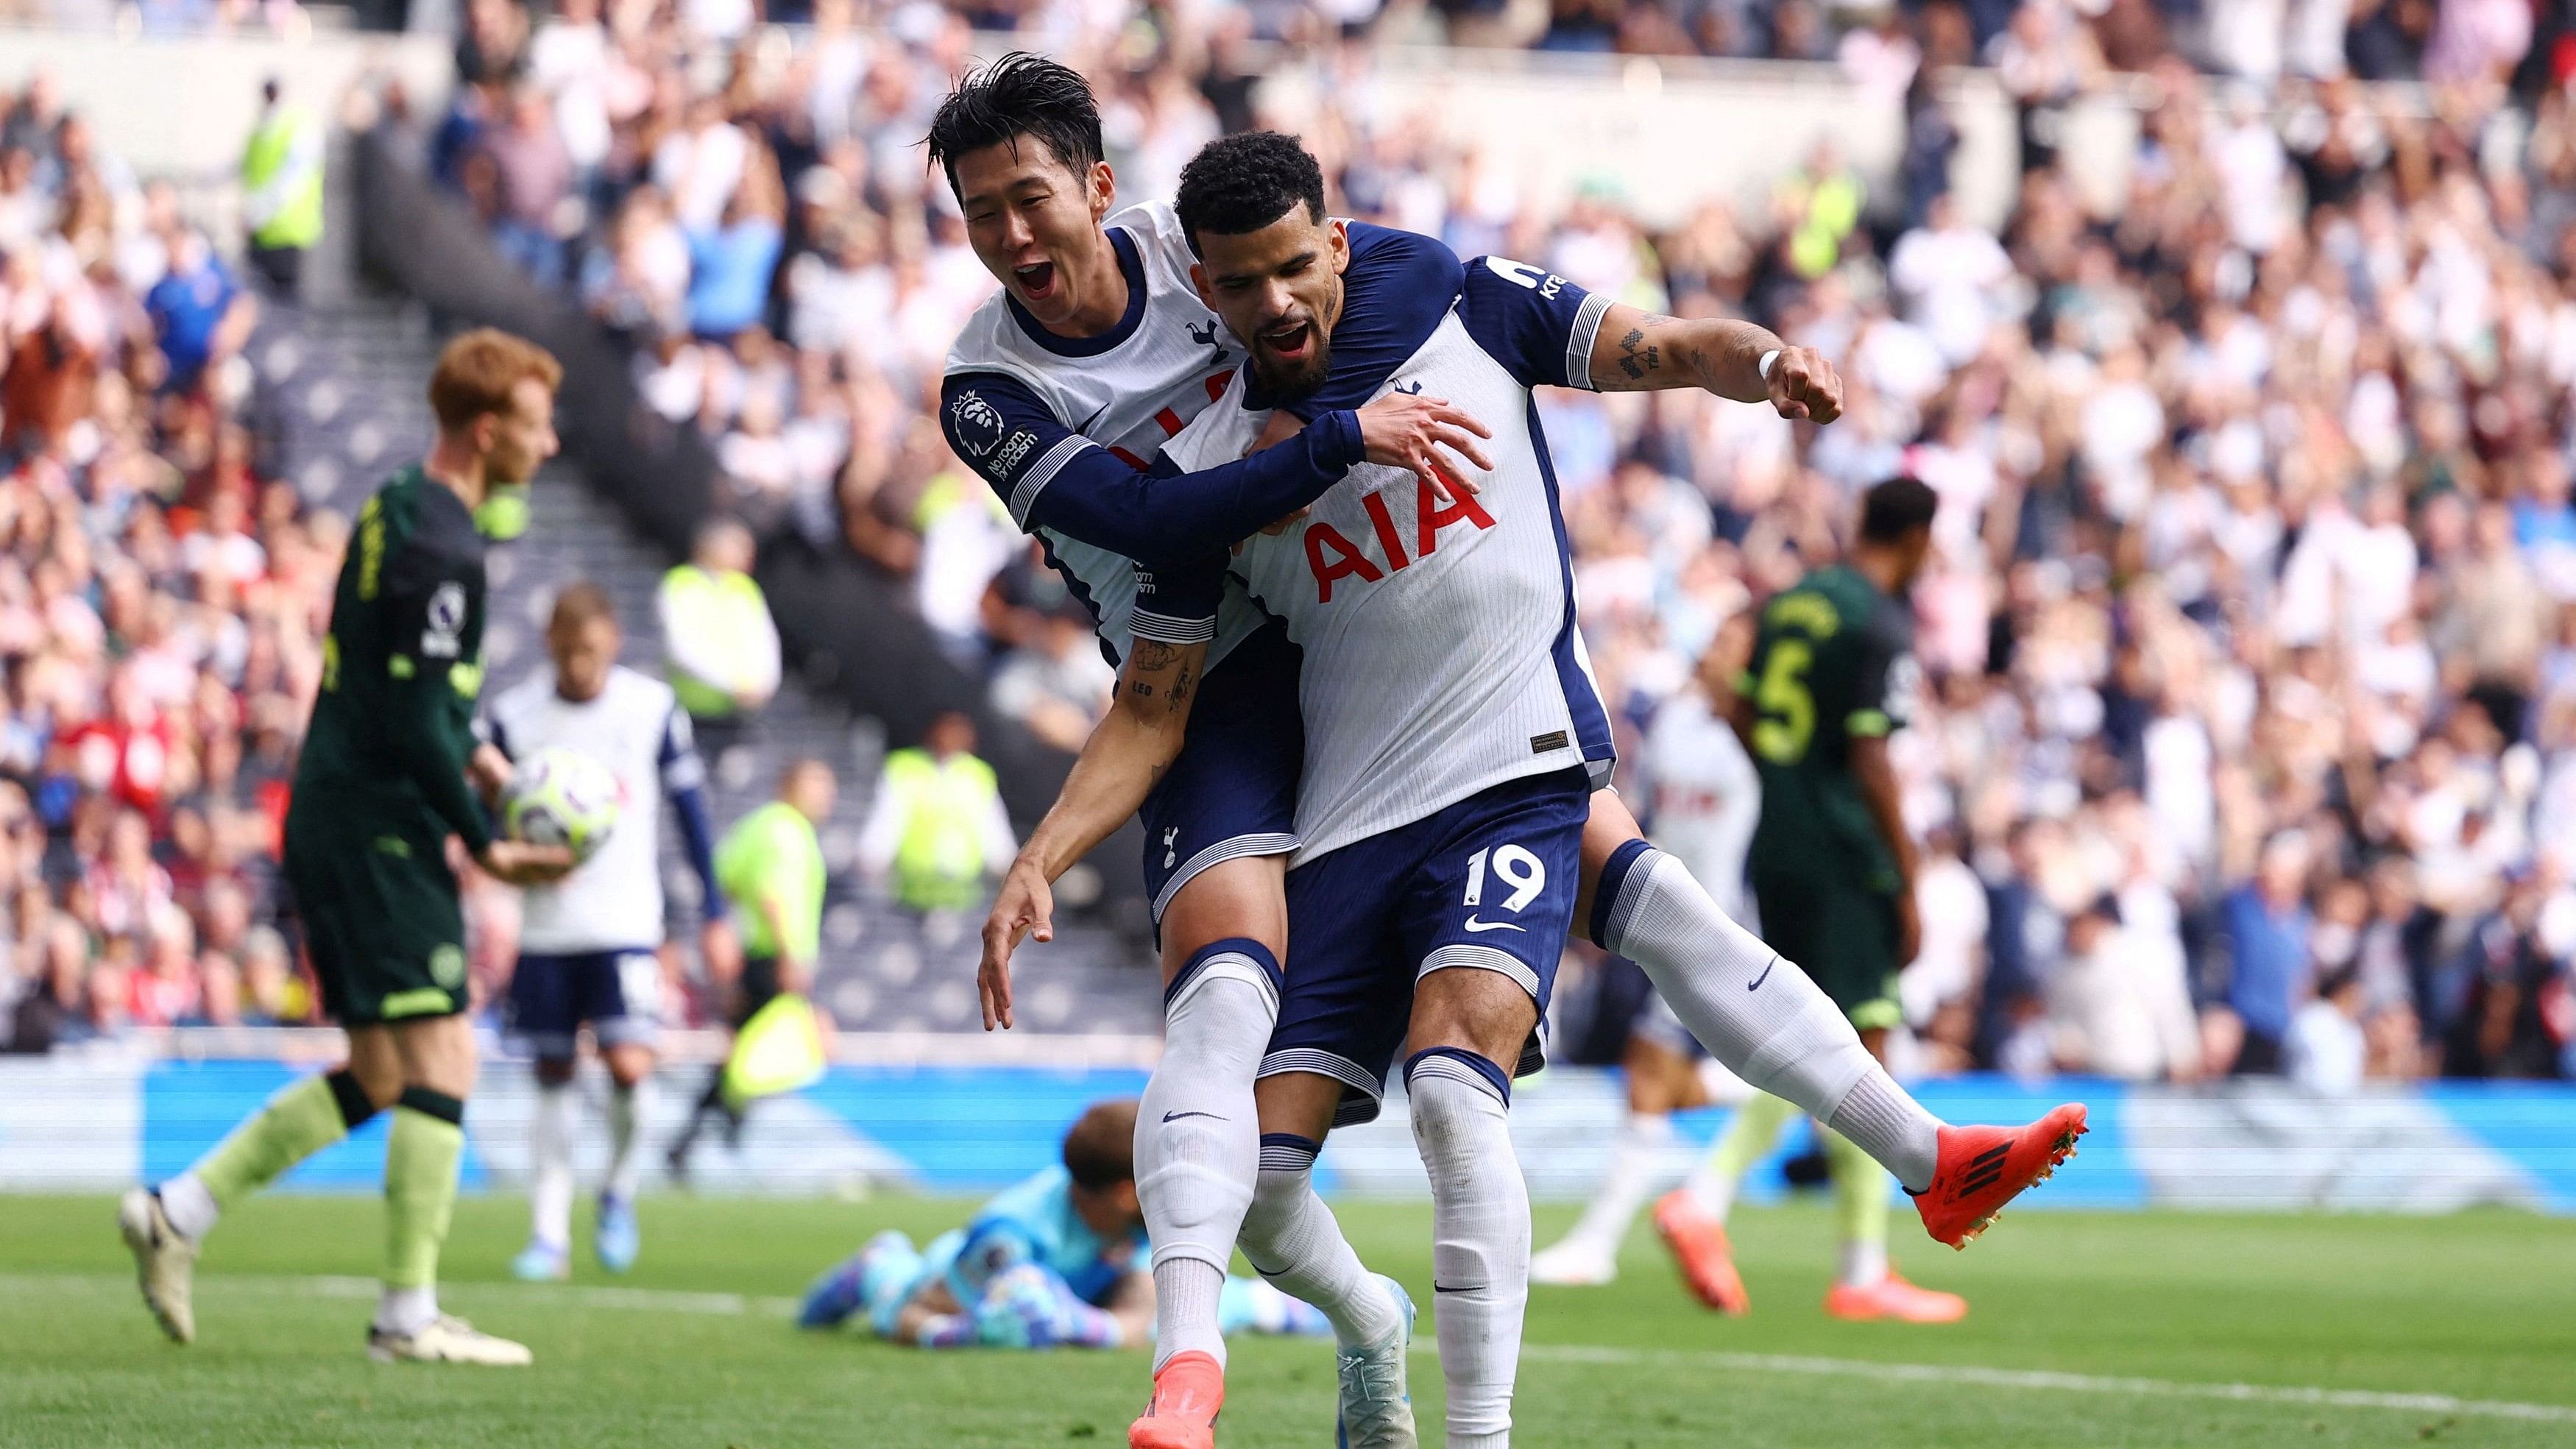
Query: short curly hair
x=1019, y=95
x=1100, y=1147
x=1244, y=182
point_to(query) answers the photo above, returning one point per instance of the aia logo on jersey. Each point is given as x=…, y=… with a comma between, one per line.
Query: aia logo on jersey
x=1331, y=556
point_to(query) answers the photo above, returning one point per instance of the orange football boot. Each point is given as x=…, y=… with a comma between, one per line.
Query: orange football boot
x=1982, y=1168
x=1182, y=1414
x=1700, y=1249
x=1893, y=1297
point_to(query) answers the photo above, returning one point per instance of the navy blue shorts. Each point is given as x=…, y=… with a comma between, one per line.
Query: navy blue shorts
x=1488, y=882
x=618, y=994
x=1233, y=791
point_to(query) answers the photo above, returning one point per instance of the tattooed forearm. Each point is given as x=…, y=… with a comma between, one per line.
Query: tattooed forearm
x=1637, y=357
x=1181, y=689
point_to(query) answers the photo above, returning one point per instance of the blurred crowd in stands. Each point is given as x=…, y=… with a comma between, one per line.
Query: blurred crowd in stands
x=2246, y=740
x=2248, y=730
x=159, y=609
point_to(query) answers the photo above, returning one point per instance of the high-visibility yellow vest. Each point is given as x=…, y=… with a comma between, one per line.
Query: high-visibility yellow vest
x=721, y=607
x=939, y=863
x=298, y=221
x=773, y=854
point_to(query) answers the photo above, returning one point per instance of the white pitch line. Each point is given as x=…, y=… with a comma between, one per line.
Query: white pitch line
x=2294, y=1394
x=655, y=1300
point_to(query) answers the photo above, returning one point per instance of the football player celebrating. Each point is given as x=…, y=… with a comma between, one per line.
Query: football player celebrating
x=1453, y=738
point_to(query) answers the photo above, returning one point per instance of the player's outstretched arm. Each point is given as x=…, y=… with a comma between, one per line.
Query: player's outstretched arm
x=1052, y=477
x=1128, y=751
x=1638, y=351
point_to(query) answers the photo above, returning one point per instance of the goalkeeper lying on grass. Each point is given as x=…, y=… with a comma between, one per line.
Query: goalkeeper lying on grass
x=1052, y=1262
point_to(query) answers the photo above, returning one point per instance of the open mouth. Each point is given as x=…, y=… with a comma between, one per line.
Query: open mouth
x=1289, y=340
x=1036, y=280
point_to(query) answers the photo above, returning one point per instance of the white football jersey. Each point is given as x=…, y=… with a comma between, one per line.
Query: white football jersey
x=635, y=727
x=1441, y=654
x=1702, y=796
x=1127, y=391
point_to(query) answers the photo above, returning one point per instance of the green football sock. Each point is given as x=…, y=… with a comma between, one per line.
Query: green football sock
x=1747, y=1139
x=422, y=1154
x=298, y=1122
x=1860, y=1208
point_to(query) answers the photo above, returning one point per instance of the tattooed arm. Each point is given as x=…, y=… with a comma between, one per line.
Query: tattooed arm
x=1127, y=753
x=1636, y=351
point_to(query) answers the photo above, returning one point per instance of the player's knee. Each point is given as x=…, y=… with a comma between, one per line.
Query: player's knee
x=1485, y=1012
x=1244, y=898
x=628, y=1065
x=1298, y=1104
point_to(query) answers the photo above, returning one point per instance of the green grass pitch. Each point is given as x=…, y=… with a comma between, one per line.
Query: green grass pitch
x=2333, y=1322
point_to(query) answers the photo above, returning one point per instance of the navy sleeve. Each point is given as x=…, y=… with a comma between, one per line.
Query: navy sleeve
x=1177, y=603
x=684, y=779
x=1052, y=477
x=1532, y=321
x=1399, y=286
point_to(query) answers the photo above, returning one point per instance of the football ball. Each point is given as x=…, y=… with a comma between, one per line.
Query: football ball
x=560, y=797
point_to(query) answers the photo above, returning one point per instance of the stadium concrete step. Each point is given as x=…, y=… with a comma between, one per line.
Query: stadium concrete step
x=342, y=403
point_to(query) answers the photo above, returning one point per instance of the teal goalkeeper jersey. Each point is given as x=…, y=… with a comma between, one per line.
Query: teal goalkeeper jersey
x=1033, y=1222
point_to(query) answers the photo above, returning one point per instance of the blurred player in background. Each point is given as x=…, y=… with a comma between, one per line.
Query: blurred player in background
x=1833, y=877
x=770, y=869
x=587, y=944
x=1702, y=800
x=1053, y=1261
x=382, y=784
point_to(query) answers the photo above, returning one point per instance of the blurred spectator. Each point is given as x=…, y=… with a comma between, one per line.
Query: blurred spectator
x=199, y=315
x=1057, y=684
x=2326, y=1051
x=281, y=178
x=2116, y=1009
x=532, y=180
x=936, y=825
x=716, y=629
x=2267, y=925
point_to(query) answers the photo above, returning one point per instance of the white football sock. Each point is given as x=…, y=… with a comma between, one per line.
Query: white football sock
x=1757, y=1012
x=1864, y=1261
x=406, y=1311
x=1636, y=1167
x=189, y=1207
x=1294, y=1242
x=630, y=1113
x=1198, y=1137
x=550, y=1135
x=1480, y=1236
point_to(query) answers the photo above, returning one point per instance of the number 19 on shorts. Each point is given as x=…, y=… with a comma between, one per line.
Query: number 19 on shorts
x=1522, y=873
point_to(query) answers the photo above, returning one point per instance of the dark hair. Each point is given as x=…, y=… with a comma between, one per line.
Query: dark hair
x=1895, y=508
x=1244, y=182
x=1100, y=1148
x=1019, y=95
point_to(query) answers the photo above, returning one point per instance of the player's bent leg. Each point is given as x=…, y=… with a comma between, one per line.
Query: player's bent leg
x=619, y=1238
x=1661, y=1081
x=551, y=1130
x=163, y=1227
x=1293, y=1241
x=1756, y=1012
x=1467, y=1022
x=1691, y=1219
x=422, y=1154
